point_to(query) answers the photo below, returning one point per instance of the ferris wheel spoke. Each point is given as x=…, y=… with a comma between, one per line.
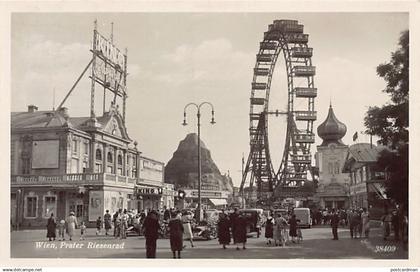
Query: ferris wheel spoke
x=286, y=37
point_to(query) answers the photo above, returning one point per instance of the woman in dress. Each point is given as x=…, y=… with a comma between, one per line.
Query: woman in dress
x=107, y=222
x=293, y=227
x=239, y=229
x=269, y=225
x=365, y=223
x=71, y=225
x=223, y=231
x=186, y=223
x=51, y=228
x=279, y=229
x=176, y=231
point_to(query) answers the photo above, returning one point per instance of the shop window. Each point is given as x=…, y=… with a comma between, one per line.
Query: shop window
x=98, y=155
x=31, y=206
x=50, y=205
x=77, y=209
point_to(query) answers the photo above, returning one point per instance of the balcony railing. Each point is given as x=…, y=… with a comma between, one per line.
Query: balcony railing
x=73, y=179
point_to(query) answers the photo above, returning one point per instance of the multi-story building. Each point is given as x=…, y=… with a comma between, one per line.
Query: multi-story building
x=151, y=191
x=86, y=165
x=366, y=178
x=61, y=164
x=332, y=191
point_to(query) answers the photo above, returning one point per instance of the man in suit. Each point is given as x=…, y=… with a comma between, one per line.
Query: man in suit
x=151, y=232
x=335, y=220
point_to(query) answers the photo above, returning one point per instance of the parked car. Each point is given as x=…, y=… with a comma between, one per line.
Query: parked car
x=304, y=217
x=253, y=219
x=283, y=212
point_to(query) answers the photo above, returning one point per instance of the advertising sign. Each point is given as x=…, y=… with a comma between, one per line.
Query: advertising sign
x=143, y=190
x=206, y=194
x=45, y=154
x=109, y=69
x=96, y=205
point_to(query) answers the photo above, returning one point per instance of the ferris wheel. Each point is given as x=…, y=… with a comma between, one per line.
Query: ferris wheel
x=284, y=37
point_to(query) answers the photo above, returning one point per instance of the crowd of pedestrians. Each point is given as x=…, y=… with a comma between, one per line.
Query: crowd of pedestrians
x=178, y=226
x=64, y=226
x=358, y=221
x=282, y=229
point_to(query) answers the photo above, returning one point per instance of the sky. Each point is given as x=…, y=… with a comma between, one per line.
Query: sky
x=178, y=58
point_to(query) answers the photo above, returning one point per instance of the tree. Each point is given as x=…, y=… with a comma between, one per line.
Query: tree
x=390, y=122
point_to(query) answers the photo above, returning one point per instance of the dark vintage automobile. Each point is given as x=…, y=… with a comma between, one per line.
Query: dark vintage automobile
x=254, y=221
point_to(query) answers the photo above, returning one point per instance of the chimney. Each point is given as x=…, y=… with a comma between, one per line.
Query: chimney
x=64, y=111
x=32, y=108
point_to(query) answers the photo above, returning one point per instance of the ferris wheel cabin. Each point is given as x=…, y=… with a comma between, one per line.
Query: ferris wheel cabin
x=305, y=115
x=305, y=138
x=302, y=52
x=304, y=71
x=305, y=92
x=259, y=86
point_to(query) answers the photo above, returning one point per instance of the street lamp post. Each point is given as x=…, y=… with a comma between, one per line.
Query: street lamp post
x=199, y=144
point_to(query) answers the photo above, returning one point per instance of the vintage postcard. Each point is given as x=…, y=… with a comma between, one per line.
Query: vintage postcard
x=172, y=133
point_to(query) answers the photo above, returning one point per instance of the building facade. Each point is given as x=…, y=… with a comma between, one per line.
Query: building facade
x=333, y=184
x=366, y=178
x=61, y=164
x=151, y=190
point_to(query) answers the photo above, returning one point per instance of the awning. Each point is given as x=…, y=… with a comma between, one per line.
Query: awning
x=218, y=201
x=378, y=189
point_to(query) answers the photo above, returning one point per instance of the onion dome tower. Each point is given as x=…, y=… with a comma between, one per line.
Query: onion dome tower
x=331, y=130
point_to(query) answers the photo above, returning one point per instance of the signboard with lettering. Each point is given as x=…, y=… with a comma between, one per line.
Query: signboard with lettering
x=109, y=69
x=206, y=194
x=142, y=190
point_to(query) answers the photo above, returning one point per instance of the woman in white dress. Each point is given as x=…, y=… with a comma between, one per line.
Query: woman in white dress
x=71, y=225
x=365, y=223
x=186, y=223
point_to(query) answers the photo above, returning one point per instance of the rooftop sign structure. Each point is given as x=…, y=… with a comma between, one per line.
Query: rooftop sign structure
x=109, y=70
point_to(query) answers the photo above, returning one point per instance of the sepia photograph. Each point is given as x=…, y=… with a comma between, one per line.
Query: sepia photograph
x=209, y=135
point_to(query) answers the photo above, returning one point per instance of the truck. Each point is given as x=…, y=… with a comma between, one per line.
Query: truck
x=303, y=215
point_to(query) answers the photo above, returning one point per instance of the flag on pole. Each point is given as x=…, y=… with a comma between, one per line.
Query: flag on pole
x=355, y=136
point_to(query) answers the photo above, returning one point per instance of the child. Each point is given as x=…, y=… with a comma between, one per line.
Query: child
x=98, y=225
x=299, y=235
x=61, y=228
x=82, y=231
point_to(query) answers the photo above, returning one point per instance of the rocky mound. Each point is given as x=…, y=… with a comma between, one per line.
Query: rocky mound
x=182, y=170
